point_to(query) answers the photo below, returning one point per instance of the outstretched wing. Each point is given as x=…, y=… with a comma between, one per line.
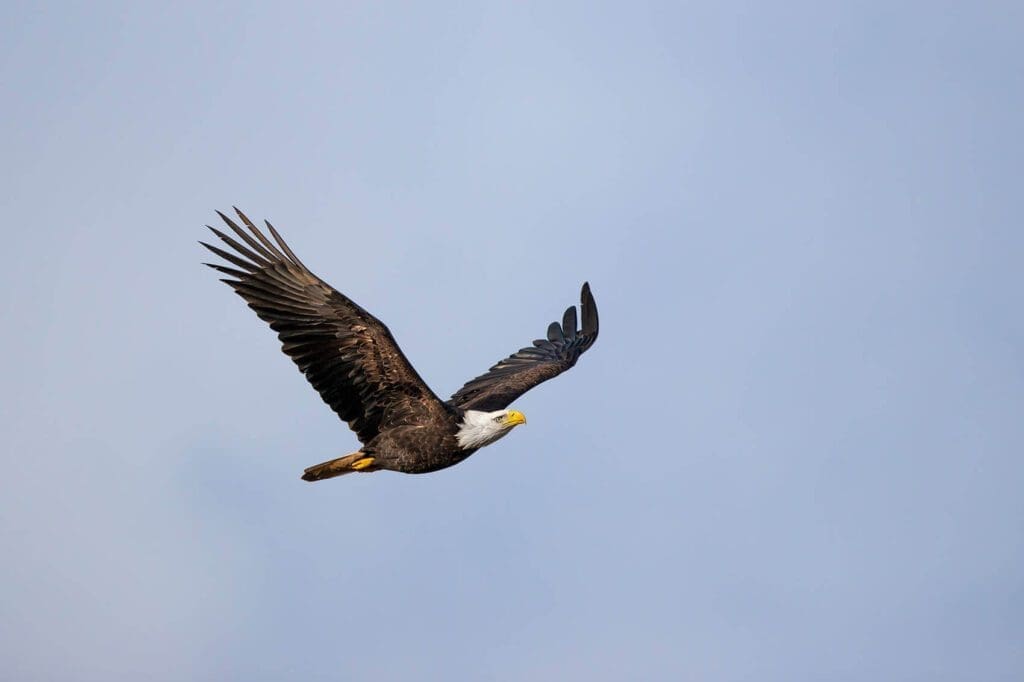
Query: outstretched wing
x=524, y=369
x=347, y=354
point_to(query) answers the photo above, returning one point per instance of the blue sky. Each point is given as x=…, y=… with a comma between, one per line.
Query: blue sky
x=793, y=454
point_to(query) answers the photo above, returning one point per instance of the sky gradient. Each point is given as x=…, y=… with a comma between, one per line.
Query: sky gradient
x=795, y=452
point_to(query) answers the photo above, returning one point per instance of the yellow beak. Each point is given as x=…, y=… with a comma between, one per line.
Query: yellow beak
x=515, y=417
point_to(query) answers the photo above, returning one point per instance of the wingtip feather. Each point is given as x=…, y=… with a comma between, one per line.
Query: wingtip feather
x=244, y=218
x=569, y=322
x=588, y=307
x=230, y=223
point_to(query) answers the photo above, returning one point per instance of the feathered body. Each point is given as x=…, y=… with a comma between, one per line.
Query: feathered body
x=354, y=363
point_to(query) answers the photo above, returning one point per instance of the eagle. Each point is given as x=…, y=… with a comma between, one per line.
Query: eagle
x=354, y=363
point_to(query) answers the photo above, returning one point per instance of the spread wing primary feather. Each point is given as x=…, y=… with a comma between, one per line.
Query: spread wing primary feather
x=347, y=354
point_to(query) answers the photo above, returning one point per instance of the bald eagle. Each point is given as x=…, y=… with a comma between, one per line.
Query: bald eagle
x=354, y=363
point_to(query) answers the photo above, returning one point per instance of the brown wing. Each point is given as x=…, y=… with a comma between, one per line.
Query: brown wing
x=524, y=369
x=347, y=354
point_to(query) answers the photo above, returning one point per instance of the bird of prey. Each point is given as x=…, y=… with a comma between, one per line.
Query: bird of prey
x=354, y=363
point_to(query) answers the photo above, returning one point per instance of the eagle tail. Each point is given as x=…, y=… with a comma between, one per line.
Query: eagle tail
x=357, y=461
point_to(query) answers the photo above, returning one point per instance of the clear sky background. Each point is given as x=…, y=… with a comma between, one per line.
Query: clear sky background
x=795, y=453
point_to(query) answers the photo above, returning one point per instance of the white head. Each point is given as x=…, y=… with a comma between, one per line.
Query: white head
x=483, y=428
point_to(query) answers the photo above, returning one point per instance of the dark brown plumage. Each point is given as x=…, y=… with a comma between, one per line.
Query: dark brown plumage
x=353, y=361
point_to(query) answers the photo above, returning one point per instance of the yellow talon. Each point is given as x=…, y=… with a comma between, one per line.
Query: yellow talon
x=363, y=463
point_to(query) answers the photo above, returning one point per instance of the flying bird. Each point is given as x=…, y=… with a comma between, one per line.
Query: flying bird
x=354, y=363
